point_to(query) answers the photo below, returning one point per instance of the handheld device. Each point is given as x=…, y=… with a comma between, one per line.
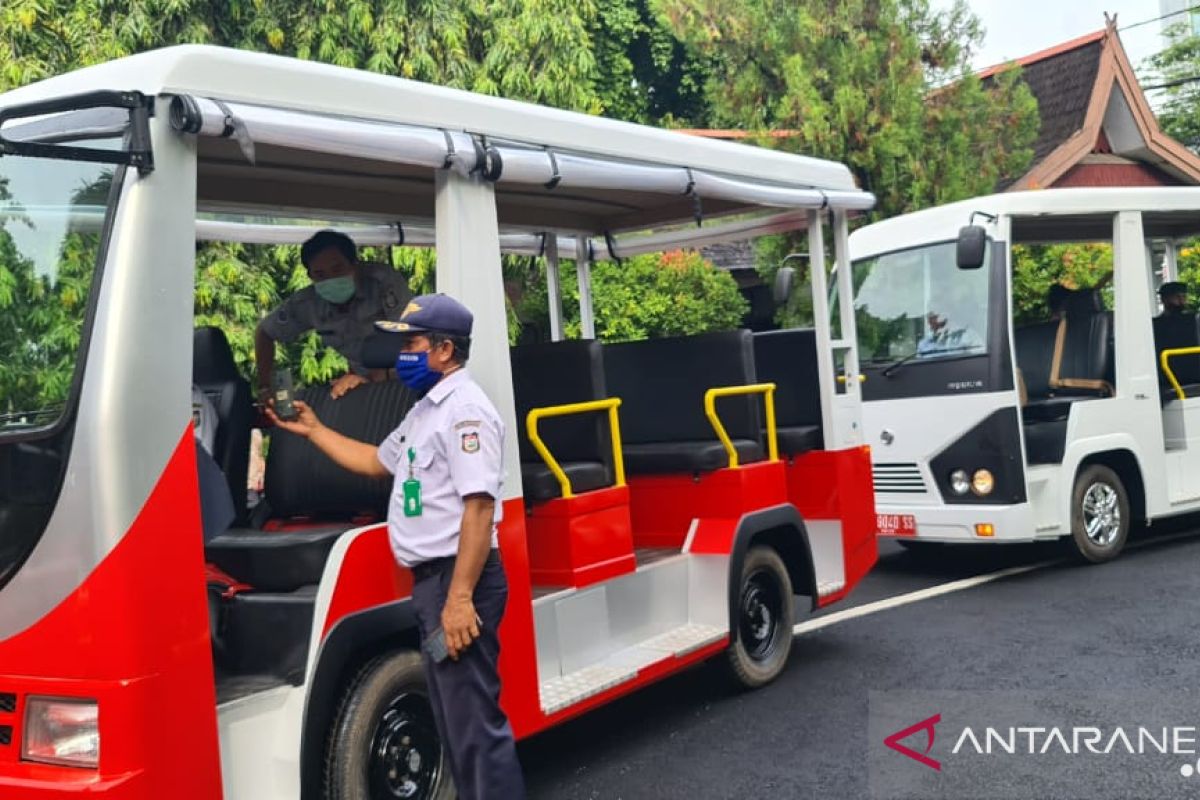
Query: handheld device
x=435, y=646
x=282, y=391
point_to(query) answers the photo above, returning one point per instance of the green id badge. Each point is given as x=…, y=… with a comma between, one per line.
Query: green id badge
x=412, y=498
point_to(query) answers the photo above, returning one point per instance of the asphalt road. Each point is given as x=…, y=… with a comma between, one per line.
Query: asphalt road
x=1128, y=627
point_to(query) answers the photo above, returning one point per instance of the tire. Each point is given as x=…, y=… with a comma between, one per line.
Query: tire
x=761, y=635
x=384, y=743
x=1099, y=514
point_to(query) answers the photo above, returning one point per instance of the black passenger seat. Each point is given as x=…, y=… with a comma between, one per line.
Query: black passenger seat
x=1062, y=362
x=304, y=484
x=1171, y=332
x=215, y=373
x=662, y=382
x=788, y=358
x=552, y=374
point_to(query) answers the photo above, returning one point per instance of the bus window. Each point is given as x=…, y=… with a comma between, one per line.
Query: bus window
x=918, y=304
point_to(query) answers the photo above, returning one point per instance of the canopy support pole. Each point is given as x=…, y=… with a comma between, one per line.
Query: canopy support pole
x=583, y=268
x=467, y=236
x=554, y=287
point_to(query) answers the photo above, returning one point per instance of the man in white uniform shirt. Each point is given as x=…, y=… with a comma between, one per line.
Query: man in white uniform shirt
x=445, y=503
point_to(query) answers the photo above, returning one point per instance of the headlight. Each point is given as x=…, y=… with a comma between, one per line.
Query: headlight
x=959, y=482
x=61, y=731
x=982, y=482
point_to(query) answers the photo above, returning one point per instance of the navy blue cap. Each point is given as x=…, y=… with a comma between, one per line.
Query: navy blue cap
x=1172, y=287
x=439, y=313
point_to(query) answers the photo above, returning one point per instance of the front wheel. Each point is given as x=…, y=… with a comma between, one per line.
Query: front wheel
x=1099, y=514
x=762, y=630
x=384, y=742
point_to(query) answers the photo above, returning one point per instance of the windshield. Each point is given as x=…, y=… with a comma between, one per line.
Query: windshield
x=51, y=214
x=918, y=305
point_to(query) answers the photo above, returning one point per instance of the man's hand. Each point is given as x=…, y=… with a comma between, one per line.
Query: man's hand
x=345, y=383
x=305, y=424
x=460, y=624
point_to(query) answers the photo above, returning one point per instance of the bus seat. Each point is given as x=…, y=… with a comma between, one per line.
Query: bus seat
x=1173, y=331
x=215, y=373
x=557, y=373
x=301, y=482
x=661, y=383
x=1083, y=360
x=1035, y=357
x=788, y=358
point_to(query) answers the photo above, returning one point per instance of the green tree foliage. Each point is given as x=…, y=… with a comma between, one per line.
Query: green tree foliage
x=1177, y=66
x=1038, y=267
x=882, y=85
x=673, y=294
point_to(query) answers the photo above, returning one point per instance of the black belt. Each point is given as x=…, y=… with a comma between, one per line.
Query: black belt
x=436, y=566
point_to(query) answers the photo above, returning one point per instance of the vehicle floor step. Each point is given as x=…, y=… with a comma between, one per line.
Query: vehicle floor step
x=566, y=690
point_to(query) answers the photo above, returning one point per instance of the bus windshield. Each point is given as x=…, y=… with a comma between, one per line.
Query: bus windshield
x=52, y=215
x=50, y=230
x=917, y=304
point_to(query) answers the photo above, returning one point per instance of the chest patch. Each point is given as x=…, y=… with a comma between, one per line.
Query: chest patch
x=470, y=442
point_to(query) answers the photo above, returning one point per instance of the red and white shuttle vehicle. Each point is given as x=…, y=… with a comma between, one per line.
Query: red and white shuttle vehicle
x=664, y=499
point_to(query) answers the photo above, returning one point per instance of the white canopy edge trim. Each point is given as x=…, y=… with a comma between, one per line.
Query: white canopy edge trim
x=519, y=164
x=526, y=244
x=90, y=218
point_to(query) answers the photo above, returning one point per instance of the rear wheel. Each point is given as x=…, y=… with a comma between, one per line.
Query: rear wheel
x=384, y=744
x=766, y=611
x=1099, y=514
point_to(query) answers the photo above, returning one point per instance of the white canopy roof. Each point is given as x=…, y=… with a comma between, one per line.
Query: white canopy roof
x=345, y=142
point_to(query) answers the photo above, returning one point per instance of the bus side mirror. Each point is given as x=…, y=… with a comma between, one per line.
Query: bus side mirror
x=972, y=243
x=785, y=280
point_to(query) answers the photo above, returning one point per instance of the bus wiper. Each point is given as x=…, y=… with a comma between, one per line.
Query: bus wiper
x=895, y=365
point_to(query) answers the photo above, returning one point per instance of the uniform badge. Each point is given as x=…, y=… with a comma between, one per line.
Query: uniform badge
x=470, y=442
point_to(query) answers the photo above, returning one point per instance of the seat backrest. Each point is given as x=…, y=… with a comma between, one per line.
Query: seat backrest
x=1087, y=344
x=661, y=383
x=1173, y=331
x=215, y=373
x=788, y=359
x=1035, y=356
x=557, y=373
x=302, y=481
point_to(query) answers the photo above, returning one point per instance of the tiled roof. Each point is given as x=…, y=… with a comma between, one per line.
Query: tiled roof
x=1062, y=82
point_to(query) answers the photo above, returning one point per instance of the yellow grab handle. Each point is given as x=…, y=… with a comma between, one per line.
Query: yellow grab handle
x=610, y=404
x=767, y=390
x=1166, y=356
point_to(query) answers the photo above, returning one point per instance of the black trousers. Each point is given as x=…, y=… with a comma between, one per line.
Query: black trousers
x=465, y=694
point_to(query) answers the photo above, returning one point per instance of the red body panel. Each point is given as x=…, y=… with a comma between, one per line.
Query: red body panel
x=369, y=577
x=836, y=485
x=134, y=635
x=664, y=506
x=581, y=540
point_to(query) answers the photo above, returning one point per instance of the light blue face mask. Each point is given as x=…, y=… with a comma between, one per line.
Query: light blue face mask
x=336, y=290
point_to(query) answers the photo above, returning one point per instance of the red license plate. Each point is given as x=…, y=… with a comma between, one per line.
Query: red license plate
x=896, y=524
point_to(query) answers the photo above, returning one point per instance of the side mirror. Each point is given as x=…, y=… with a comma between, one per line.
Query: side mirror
x=972, y=244
x=785, y=280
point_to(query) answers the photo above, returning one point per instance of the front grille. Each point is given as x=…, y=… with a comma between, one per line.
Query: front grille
x=8, y=702
x=898, y=478
x=5, y=734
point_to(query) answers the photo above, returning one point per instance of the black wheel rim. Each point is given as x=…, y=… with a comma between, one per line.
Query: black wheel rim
x=761, y=611
x=406, y=754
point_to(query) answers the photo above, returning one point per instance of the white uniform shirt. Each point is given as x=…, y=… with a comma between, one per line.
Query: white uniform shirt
x=456, y=439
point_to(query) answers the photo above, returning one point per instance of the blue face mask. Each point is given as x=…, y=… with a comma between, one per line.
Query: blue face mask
x=414, y=372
